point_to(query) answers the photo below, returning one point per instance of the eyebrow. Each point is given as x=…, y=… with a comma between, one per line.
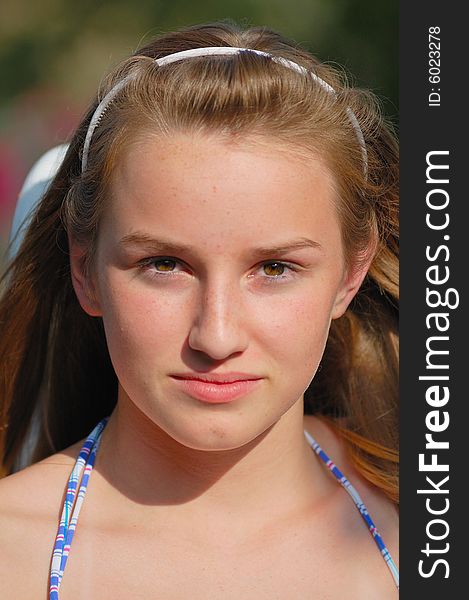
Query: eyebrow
x=161, y=246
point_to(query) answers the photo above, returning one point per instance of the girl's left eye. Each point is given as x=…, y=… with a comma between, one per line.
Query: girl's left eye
x=274, y=270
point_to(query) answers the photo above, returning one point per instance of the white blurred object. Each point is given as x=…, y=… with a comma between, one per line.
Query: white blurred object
x=34, y=186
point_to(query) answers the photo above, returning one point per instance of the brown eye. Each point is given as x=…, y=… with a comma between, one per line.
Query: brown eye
x=167, y=263
x=274, y=269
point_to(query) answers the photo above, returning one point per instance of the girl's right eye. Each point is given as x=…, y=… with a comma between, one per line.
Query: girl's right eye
x=165, y=263
x=157, y=267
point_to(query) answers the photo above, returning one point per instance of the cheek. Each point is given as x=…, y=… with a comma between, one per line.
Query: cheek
x=140, y=326
x=291, y=334
x=290, y=344
x=303, y=334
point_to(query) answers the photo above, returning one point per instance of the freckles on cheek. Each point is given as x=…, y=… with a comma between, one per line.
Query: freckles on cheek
x=137, y=321
x=303, y=333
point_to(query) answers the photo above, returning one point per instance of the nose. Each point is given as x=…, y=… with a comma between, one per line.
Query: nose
x=218, y=329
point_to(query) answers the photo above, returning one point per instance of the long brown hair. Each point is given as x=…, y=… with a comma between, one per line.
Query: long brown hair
x=55, y=368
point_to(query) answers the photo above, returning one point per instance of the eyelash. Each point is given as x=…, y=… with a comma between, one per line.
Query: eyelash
x=147, y=263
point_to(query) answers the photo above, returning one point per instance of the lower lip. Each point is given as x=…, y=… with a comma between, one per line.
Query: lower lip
x=217, y=393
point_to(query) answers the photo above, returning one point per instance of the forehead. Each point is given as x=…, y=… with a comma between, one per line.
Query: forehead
x=211, y=190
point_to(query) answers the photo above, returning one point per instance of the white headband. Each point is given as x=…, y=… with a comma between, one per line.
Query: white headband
x=211, y=51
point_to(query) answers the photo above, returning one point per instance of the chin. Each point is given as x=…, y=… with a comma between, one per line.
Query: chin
x=217, y=437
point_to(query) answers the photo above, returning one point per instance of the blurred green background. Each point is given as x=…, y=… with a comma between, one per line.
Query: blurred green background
x=53, y=53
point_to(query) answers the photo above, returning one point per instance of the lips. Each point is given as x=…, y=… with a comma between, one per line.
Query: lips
x=217, y=388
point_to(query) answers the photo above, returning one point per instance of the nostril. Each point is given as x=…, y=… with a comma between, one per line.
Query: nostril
x=217, y=342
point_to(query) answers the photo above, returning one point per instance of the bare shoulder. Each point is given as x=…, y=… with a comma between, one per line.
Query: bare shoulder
x=382, y=510
x=33, y=487
x=30, y=505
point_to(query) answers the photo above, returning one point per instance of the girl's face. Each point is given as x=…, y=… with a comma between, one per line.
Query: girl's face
x=216, y=258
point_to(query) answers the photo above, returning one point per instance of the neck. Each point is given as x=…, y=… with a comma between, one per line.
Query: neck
x=152, y=470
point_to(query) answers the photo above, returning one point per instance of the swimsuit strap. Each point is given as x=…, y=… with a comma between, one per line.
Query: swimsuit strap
x=84, y=466
x=358, y=503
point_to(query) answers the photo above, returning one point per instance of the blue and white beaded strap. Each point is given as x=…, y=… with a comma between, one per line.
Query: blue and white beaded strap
x=358, y=503
x=215, y=51
x=72, y=506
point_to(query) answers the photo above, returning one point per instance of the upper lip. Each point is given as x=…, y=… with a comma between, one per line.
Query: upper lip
x=217, y=377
